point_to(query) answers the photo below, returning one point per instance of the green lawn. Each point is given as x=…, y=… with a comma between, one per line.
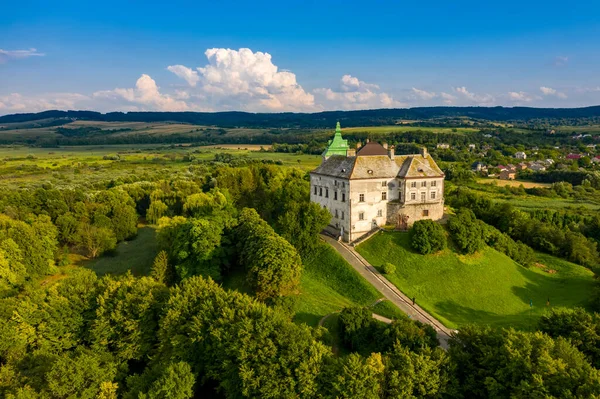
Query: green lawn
x=329, y=284
x=485, y=288
x=136, y=255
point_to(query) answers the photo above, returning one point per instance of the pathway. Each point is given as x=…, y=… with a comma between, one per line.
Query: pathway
x=388, y=289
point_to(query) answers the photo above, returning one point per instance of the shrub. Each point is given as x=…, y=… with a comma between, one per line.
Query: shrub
x=388, y=268
x=427, y=236
x=466, y=232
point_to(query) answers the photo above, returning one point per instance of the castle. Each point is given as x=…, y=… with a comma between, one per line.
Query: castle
x=370, y=186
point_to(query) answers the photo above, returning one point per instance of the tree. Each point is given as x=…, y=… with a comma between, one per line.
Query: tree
x=427, y=236
x=174, y=380
x=156, y=210
x=160, y=267
x=12, y=270
x=124, y=222
x=355, y=376
x=95, y=240
x=466, y=232
x=581, y=328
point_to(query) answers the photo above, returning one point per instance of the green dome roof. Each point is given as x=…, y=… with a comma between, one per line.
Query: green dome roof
x=337, y=146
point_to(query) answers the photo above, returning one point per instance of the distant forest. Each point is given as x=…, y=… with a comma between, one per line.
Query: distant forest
x=377, y=117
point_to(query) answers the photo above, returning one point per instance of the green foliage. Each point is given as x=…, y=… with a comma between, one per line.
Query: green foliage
x=581, y=328
x=156, y=210
x=466, y=232
x=126, y=317
x=174, y=380
x=95, y=240
x=507, y=363
x=272, y=263
x=160, y=268
x=427, y=237
x=12, y=270
x=388, y=268
x=355, y=377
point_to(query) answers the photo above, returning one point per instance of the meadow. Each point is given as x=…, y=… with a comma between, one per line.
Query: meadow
x=484, y=288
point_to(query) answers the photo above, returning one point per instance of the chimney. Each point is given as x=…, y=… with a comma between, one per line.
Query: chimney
x=350, y=152
x=392, y=152
x=358, y=145
x=385, y=145
x=423, y=152
x=368, y=141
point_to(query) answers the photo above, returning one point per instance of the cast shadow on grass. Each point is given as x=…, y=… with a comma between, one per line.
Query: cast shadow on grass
x=310, y=319
x=462, y=315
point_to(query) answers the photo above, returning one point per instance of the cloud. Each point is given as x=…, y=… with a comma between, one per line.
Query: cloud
x=145, y=96
x=448, y=99
x=188, y=74
x=16, y=102
x=521, y=97
x=549, y=91
x=423, y=95
x=7, y=55
x=353, y=93
x=472, y=98
x=561, y=60
x=245, y=80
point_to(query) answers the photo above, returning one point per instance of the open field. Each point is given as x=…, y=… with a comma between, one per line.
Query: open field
x=512, y=183
x=485, y=288
x=401, y=129
x=21, y=165
x=136, y=256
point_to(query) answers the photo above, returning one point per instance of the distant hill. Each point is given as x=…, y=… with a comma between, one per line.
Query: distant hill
x=376, y=117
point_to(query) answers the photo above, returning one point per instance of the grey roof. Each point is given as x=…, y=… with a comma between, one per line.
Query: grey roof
x=336, y=166
x=379, y=167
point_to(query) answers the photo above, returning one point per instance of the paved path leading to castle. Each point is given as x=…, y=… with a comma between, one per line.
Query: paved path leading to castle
x=388, y=289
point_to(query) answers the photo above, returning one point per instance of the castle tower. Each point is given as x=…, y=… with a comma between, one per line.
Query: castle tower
x=337, y=146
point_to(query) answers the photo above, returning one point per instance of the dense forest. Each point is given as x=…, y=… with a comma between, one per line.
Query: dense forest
x=324, y=120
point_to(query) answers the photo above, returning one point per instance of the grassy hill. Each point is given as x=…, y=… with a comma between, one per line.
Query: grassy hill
x=329, y=284
x=485, y=288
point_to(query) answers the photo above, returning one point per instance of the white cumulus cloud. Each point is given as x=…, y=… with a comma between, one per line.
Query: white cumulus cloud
x=145, y=96
x=245, y=80
x=473, y=98
x=7, y=55
x=17, y=103
x=549, y=91
x=423, y=95
x=353, y=93
x=521, y=97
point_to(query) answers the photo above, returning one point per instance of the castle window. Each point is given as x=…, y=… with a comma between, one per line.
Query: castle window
x=335, y=195
x=383, y=184
x=425, y=212
x=335, y=183
x=424, y=184
x=384, y=195
x=361, y=198
x=413, y=196
x=433, y=195
x=361, y=216
x=336, y=214
x=326, y=193
x=343, y=184
x=423, y=196
x=400, y=196
x=315, y=190
x=321, y=191
x=343, y=197
x=342, y=215
x=434, y=183
x=379, y=213
x=413, y=184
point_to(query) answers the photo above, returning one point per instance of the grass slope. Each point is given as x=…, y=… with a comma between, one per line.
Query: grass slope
x=485, y=288
x=329, y=284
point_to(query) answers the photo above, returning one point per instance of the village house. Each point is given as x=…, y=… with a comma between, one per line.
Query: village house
x=573, y=156
x=508, y=174
x=520, y=155
x=479, y=167
x=371, y=186
x=443, y=146
x=537, y=166
x=521, y=166
x=596, y=159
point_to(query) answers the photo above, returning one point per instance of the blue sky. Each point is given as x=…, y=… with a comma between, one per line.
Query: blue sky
x=298, y=55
